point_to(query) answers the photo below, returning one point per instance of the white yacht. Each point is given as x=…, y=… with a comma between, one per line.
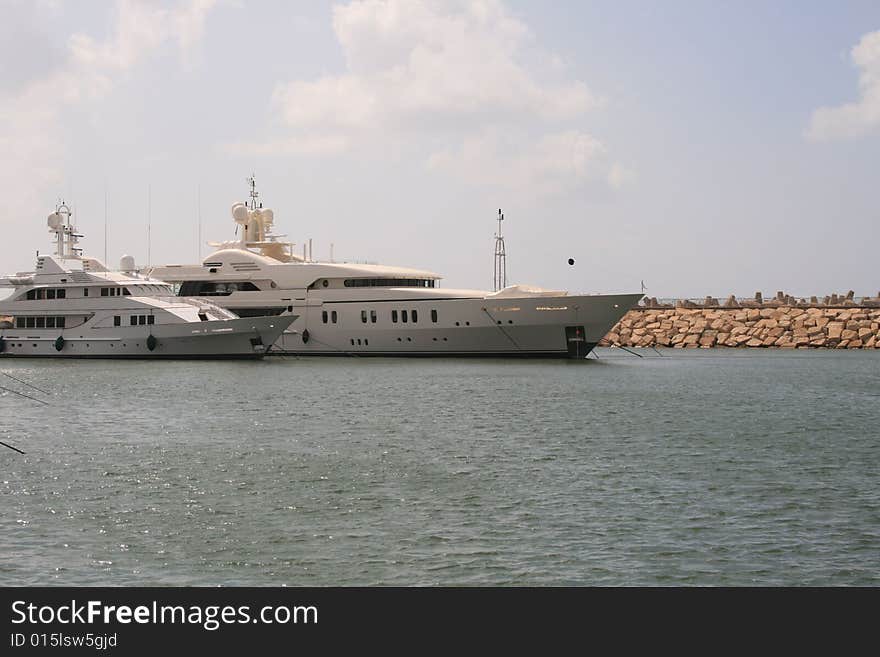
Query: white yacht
x=379, y=310
x=71, y=306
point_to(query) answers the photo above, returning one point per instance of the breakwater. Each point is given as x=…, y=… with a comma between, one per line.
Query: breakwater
x=836, y=322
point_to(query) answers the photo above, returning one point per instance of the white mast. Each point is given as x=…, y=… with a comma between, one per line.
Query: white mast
x=500, y=257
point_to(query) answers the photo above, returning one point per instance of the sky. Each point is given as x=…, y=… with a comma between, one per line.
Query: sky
x=705, y=148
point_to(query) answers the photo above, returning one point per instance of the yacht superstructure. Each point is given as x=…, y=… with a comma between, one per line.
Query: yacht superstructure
x=72, y=306
x=363, y=309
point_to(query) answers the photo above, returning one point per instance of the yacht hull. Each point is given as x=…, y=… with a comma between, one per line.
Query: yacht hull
x=529, y=327
x=247, y=338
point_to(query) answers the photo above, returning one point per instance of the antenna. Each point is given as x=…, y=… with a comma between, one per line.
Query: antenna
x=149, y=224
x=199, y=215
x=254, y=193
x=105, y=223
x=500, y=257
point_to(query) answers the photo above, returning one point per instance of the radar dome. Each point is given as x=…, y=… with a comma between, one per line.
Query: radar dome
x=240, y=213
x=126, y=263
x=55, y=221
x=268, y=216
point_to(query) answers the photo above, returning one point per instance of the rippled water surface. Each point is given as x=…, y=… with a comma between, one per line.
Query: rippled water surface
x=702, y=467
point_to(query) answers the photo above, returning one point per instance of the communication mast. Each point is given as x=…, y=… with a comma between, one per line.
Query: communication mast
x=500, y=257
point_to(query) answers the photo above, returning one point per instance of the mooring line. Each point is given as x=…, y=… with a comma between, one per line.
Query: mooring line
x=21, y=394
x=27, y=384
x=14, y=449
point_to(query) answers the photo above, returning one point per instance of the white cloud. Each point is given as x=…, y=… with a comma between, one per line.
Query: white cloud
x=31, y=135
x=462, y=69
x=553, y=164
x=862, y=117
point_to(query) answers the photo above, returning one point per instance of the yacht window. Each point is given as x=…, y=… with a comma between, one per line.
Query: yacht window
x=105, y=292
x=403, y=316
x=59, y=322
x=366, y=342
x=394, y=316
x=434, y=316
x=151, y=319
x=325, y=282
x=117, y=320
x=359, y=341
x=31, y=295
x=415, y=316
x=50, y=322
x=324, y=316
x=41, y=322
x=31, y=322
x=142, y=319
x=333, y=316
x=388, y=282
x=134, y=320
x=126, y=292
x=202, y=316
x=85, y=291
x=19, y=322
x=364, y=316
x=50, y=294
x=41, y=293
x=214, y=289
x=373, y=316
x=62, y=294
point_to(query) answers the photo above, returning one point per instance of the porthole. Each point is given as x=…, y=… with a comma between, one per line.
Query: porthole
x=510, y=321
x=499, y=321
x=409, y=339
x=352, y=342
x=444, y=340
x=467, y=323
x=458, y=324
x=325, y=282
x=399, y=340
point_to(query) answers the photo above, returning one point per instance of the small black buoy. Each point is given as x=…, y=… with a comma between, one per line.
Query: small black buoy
x=571, y=261
x=59, y=343
x=151, y=342
x=305, y=336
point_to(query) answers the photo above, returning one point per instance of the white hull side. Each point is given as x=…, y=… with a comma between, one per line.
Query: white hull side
x=529, y=326
x=226, y=339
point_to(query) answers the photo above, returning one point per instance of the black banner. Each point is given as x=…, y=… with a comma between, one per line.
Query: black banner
x=127, y=620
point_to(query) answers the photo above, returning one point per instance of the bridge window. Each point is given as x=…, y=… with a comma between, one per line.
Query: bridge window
x=117, y=320
x=434, y=316
x=364, y=316
x=415, y=316
x=333, y=316
x=403, y=316
x=373, y=316
x=394, y=316
x=324, y=316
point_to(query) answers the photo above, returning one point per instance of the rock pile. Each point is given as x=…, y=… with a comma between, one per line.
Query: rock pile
x=788, y=327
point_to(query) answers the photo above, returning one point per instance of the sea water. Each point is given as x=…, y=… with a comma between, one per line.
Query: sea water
x=703, y=467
